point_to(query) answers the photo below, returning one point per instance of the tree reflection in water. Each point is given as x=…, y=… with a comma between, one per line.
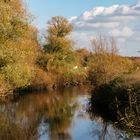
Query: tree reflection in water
x=59, y=115
x=21, y=119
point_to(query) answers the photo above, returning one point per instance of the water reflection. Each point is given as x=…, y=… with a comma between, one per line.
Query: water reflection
x=114, y=108
x=35, y=114
x=59, y=115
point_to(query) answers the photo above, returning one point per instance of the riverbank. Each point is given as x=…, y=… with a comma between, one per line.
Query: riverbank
x=26, y=64
x=16, y=93
x=119, y=102
x=47, y=81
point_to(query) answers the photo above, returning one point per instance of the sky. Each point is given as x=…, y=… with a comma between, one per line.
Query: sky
x=117, y=18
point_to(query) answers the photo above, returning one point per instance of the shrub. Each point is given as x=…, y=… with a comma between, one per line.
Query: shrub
x=119, y=102
x=104, y=63
x=16, y=76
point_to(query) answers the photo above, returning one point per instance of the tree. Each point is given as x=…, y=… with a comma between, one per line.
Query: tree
x=59, y=27
x=18, y=45
x=58, y=50
x=13, y=20
x=58, y=56
x=58, y=30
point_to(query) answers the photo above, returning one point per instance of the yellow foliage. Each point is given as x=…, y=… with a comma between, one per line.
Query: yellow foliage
x=104, y=63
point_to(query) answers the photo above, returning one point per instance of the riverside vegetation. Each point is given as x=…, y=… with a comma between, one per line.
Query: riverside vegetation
x=25, y=64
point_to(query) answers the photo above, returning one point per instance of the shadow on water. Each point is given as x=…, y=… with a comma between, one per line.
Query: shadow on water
x=117, y=105
x=57, y=115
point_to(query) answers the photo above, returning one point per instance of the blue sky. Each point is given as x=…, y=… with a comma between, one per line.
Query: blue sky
x=117, y=18
x=43, y=10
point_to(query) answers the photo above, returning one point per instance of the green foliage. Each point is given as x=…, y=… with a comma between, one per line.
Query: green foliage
x=64, y=66
x=16, y=76
x=58, y=50
x=56, y=44
x=58, y=57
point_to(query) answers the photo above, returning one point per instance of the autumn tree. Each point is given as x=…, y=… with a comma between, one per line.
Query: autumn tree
x=58, y=30
x=58, y=56
x=58, y=49
x=13, y=20
x=18, y=45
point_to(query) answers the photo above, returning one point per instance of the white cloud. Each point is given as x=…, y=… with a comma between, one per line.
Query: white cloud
x=73, y=18
x=120, y=21
x=125, y=32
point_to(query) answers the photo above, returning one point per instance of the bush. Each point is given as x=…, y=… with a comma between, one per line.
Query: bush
x=43, y=79
x=104, y=63
x=16, y=76
x=119, y=102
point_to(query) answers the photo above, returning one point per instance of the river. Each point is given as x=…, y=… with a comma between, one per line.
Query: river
x=55, y=115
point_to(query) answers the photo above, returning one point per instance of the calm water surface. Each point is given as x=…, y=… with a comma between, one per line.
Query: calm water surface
x=57, y=115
